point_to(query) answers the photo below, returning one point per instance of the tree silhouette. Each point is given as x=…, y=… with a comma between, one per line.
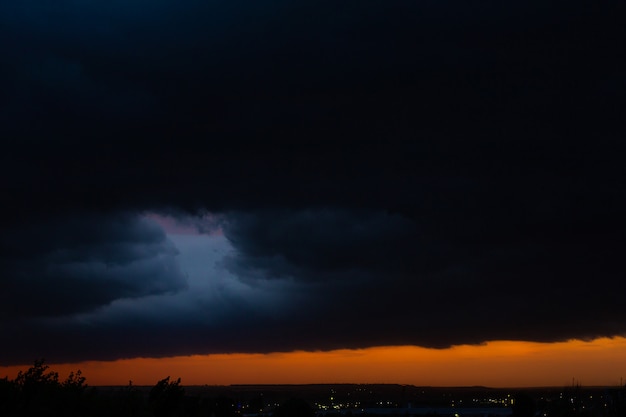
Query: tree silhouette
x=38, y=389
x=36, y=376
x=75, y=381
x=8, y=397
x=166, y=397
x=75, y=402
x=130, y=402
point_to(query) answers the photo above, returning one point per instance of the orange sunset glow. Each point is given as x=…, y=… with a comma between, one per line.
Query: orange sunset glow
x=495, y=364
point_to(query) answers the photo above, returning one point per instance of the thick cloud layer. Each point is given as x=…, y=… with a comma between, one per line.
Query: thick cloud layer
x=428, y=172
x=435, y=288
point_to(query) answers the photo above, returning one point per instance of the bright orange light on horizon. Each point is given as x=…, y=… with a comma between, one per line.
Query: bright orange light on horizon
x=494, y=364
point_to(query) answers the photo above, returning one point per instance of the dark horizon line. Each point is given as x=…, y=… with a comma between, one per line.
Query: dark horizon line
x=319, y=384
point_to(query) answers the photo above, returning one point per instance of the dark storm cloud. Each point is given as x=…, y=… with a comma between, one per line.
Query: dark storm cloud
x=418, y=284
x=440, y=171
x=78, y=263
x=309, y=242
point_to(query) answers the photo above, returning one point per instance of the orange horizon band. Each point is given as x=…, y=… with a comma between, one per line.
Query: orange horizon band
x=494, y=364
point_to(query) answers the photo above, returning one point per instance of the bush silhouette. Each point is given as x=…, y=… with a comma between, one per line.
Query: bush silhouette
x=166, y=398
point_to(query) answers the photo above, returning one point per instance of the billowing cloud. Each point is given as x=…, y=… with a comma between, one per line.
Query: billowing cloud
x=78, y=263
x=431, y=173
x=215, y=311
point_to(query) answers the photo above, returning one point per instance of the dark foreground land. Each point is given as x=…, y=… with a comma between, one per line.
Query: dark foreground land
x=39, y=392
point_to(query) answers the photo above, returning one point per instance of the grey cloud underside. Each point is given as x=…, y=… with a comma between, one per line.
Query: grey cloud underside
x=431, y=172
x=77, y=263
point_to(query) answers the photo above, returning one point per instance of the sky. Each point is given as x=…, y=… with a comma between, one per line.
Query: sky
x=263, y=184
